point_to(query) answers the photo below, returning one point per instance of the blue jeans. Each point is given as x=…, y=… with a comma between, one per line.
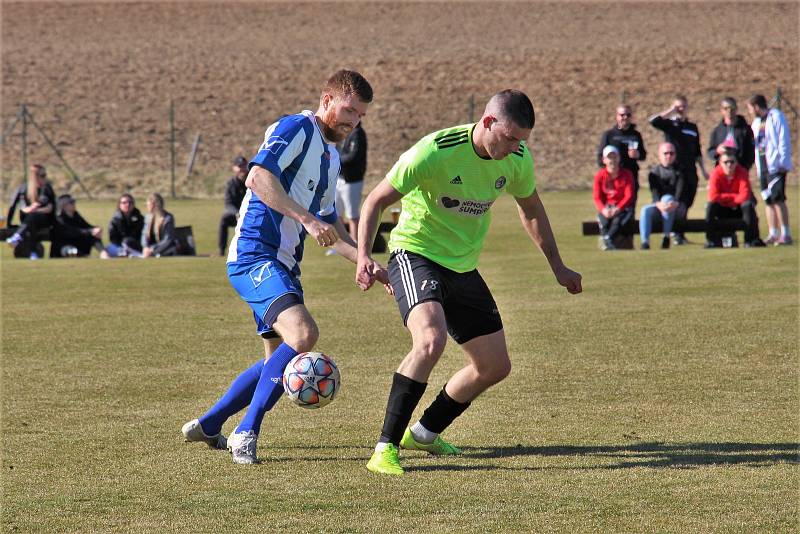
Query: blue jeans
x=648, y=215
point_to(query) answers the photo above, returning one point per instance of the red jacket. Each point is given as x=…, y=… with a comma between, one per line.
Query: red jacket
x=618, y=191
x=727, y=192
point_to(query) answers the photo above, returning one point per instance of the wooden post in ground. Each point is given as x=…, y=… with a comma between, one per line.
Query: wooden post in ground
x=172, y=146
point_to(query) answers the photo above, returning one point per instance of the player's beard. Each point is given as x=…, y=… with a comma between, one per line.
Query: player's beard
x=335, y=132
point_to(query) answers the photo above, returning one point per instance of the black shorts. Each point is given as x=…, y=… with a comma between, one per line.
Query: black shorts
x=776, y=185
x=469, y=308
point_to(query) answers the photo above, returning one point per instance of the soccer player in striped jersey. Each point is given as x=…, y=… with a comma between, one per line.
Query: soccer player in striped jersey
x=291, y=195
x=448, y=182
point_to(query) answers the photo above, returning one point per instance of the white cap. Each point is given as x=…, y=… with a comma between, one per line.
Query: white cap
x=609, y=149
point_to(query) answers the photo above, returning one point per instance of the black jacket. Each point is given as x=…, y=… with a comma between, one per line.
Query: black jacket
x=235, y=190
x=163, y=241
x=20, y=198
x=122, y=229
x=686, y=138
x=353, y=155
x=73, y=231
x=666, y=181
x=742, y=136
x=621, y=139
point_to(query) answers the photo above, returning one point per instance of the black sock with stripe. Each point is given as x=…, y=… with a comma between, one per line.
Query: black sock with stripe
x=403, y=398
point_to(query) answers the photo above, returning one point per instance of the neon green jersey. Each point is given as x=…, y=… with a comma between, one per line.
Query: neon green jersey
x=448, y=191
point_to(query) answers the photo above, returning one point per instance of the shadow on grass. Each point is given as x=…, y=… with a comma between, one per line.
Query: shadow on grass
x=657, y=454
x=650, y=454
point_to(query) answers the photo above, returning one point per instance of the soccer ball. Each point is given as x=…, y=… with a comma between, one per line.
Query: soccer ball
x=311, y=380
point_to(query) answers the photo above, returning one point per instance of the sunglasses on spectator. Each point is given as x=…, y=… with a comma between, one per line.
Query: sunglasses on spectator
x=668, y=152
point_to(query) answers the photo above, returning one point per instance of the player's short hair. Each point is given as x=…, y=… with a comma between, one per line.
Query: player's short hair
x=730, y=101
x=758, y=100
x=682, y=98
x=349, y=82
x=516, y=106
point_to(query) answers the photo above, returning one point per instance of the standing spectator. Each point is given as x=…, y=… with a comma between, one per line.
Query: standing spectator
x=350, y=184
x=732, y=134
x=685, y=137
x=37, y=200
x=629, y=143
x=234, y=194
x=613, y=197
x=72, y=235
x=730, y=197
x=125, y=228
x=773, y=154
x=158, y=238
x=666, y=186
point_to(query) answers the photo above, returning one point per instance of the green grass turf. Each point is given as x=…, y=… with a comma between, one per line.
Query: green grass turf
x=662, y=399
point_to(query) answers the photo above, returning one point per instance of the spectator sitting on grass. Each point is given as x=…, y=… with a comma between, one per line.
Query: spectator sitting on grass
x=666, y=186
x=730, y=197
x=37, y=211
x=613, y=197
x=125, y=228
x=158, y=238
x=72, y=235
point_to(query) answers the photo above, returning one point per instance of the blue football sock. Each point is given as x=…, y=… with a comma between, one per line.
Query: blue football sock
x=269, y=388
x=233, y=401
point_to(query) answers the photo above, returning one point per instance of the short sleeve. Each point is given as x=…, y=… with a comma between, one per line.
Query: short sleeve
x=283, y=142
x=524, y=183
x=411, y=169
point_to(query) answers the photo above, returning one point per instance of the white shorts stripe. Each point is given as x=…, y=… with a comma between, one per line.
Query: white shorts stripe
x=407, y=274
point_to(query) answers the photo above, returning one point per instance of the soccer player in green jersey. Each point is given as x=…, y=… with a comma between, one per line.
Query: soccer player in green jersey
x=448, y=182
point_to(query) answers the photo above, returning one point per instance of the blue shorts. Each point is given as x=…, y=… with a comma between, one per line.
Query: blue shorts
x=265, y=285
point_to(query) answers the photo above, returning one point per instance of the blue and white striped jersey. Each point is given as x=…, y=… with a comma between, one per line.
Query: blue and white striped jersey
x=307, y=166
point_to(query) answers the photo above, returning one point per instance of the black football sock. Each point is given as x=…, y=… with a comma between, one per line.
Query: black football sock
x=442, y=412
x=403, y=398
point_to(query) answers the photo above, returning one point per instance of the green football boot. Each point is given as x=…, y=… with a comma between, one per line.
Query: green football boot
x=386, y=462
x=439, y=447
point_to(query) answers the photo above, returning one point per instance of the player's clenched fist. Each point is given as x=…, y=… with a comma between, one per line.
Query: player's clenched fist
x=367, y=270
x=570, y=280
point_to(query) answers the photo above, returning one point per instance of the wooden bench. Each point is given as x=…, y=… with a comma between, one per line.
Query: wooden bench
x=726, y=227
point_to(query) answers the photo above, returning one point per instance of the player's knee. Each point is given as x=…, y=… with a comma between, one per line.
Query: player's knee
x=303, y=338
x=431, y=345
x=497, y=372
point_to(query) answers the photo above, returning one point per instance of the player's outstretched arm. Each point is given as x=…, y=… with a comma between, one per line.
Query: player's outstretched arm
x=345, y=247
x=383, y=196
x=537, y=225
x=268, y=188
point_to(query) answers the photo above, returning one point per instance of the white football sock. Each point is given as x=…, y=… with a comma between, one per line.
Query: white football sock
x=380, y=446
x=422, y=434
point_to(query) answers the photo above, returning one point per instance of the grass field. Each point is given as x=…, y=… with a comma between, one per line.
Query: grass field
x=662, y=399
